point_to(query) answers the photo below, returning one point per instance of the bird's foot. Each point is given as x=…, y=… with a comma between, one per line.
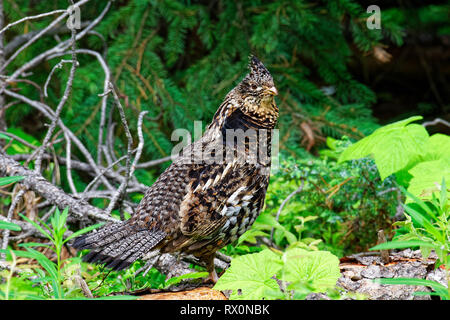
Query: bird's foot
x=212, y=278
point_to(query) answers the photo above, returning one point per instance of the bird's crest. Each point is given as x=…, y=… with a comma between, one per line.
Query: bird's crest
x=258, y=71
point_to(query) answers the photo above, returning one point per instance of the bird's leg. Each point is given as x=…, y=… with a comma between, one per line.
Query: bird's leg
x=209, y=259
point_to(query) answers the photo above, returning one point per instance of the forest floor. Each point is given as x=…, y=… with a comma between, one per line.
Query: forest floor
x=358, y=272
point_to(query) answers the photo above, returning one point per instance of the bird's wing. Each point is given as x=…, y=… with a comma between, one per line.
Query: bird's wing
x=161, y=203
x=215, y=193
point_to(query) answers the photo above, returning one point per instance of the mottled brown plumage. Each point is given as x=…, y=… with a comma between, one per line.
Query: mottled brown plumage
x=211, y=194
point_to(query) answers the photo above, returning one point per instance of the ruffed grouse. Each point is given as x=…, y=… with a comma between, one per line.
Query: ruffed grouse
x=211, y=193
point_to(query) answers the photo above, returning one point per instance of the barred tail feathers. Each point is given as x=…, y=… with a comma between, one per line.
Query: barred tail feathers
x=118, y=245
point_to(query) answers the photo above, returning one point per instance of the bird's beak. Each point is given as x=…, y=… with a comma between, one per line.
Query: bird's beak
x=272, y=91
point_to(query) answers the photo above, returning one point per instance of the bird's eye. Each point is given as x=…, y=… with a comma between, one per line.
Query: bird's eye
x=254, y=86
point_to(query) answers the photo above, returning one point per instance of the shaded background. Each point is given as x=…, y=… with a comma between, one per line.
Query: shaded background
x=178, y=59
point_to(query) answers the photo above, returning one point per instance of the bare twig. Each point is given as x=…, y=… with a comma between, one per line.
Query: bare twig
x=69, y=164
x=14, y=43
x=39, y=35
x=60, y=104
x=298, y=190
x=48, y=112
x=24, y=142
x=140, y=144
x=59, y=65
x=124, y=184
x=435, y=122
x=2, y=61
x=104, y=100
x=61, y=47
x=384, y=253
x=104, y=97
x=110, y=138
x=86, y=167
x=153, y=163
x=104, y=171
x=83, y=285
x=12, y=207
x=38, y=16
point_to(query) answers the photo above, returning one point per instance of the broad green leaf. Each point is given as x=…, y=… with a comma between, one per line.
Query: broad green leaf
x=250, y=236
x=10, y=226
x=438, y=147
x=268, y=221
x=7, y=180
x=427, y=177
x=320, y=269
x=393, y=147
x=252, y=275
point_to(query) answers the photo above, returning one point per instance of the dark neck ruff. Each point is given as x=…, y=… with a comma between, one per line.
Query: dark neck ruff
x=262, y=131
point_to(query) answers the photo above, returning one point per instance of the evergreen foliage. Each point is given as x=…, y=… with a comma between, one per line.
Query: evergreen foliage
x=177, y=59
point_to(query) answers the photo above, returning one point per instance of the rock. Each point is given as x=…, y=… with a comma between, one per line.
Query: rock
x=360, y=270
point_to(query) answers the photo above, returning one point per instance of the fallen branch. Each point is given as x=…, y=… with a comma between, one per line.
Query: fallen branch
x=36, y=182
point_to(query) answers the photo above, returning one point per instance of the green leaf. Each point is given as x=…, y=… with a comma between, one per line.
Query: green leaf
x=393, y=147
x=35, y=244
x=439, y=288
x=444, y=196
x=252, y=274
x=438, y=147
x=10, y=226
x=268, y=221
x=176, y=280
x=82, y=231
x=427, y=177
x=7, y=180
x=250, y=236
x=320, y=269
x=423, y=221
x=402, y=244
x=4, y=136
x=41, y=230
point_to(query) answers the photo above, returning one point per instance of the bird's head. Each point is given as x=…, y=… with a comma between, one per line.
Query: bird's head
x=257, y=92
x=259, y=82
x=251, y=102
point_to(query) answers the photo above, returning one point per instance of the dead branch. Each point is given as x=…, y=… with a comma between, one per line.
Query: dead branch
x=298, y=190
x=38, y=16
x=109, y=181
x=36, y=182
x=61, y=47
x=60, y=105
x=124, y=184
x=12, y=207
